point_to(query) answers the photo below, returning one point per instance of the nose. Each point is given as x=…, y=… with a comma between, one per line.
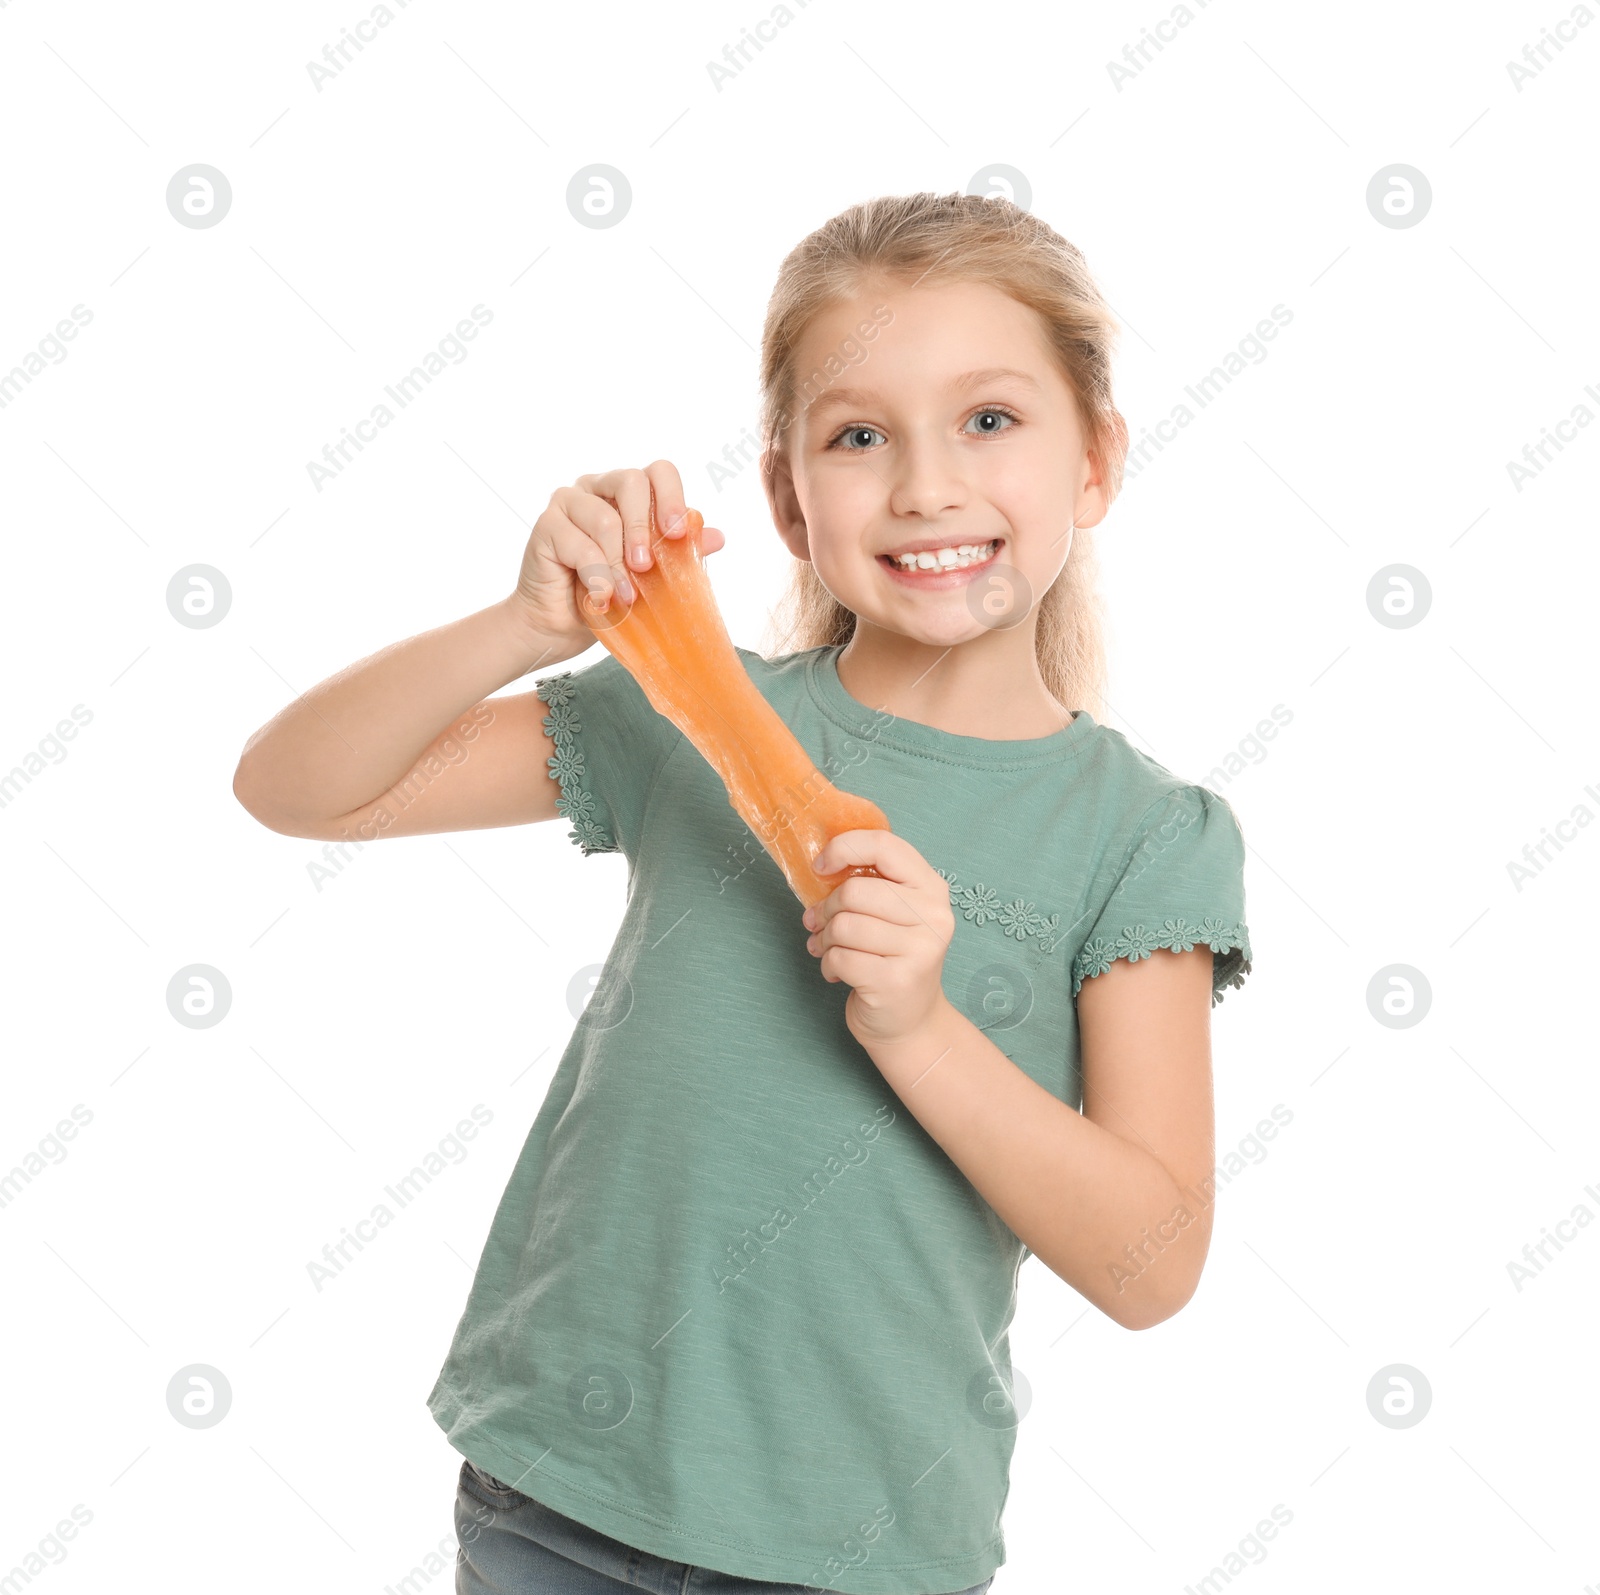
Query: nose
x=926, y=481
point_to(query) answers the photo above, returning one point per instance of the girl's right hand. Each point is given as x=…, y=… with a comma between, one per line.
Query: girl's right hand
x=580, y=541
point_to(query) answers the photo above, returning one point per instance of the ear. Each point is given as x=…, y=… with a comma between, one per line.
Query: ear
x=787, y=516
x=1092, y=502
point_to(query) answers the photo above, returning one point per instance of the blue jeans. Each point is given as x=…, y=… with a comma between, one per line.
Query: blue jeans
x=514, y=1545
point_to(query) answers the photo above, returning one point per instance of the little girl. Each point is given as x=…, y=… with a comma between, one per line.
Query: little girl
x=740, y=1323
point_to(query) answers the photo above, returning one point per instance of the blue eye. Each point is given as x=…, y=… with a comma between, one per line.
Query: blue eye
x=853, y=432
x=849, y=440
x=993, y=410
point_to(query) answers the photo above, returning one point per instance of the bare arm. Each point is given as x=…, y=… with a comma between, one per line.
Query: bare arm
x=1115, y=1200
x=409, y=739
x=362, y=753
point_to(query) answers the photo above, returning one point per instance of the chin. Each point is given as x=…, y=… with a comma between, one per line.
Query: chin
x=948, y=630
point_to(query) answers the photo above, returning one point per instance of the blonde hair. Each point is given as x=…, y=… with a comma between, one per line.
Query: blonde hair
x=952, y=238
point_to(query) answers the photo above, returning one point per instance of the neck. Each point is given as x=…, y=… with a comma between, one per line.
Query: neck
x=988, y=687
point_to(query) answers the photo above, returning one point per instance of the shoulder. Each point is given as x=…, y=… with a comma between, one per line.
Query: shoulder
x=1169, y=871
x=778, y=665
x=1136, y=795
x=782, y=678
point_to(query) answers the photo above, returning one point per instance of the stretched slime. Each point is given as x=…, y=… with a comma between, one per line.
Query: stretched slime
x=673, y=641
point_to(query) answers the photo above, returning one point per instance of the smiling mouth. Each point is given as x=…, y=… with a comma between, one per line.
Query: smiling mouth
x=943, y=567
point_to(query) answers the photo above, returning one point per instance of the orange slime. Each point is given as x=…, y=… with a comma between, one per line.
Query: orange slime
x=672, y=640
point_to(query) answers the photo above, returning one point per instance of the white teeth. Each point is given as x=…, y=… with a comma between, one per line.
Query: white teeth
x=955, y=558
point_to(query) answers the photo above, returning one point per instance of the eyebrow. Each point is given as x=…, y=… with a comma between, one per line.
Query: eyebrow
x=969, y=379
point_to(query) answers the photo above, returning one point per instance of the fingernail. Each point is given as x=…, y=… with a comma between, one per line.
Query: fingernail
x=674, y=521
x=625, y=589
x=640, y=555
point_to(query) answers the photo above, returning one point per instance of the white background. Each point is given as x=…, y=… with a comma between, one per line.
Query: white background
x=367, y=1018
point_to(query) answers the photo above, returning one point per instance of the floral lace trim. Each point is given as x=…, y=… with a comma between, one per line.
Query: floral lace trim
x=1018, y=918
x=1177, y=935
x=575, y=802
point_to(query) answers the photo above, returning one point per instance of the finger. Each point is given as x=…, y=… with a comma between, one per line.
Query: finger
x=585, y=558
x=634, y=494
x=866, y=894
x=892, y=856
x=711, y=540
x=852, y=967
x=601, y=523
x=669, y=506
x=864, y=933
x=628, y=492
x=902, y=872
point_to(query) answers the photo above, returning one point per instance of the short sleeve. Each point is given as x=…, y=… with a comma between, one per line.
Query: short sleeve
x=1181, y=886
x=610, y=741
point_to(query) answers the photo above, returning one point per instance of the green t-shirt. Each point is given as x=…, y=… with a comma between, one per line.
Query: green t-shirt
x=737, y=1308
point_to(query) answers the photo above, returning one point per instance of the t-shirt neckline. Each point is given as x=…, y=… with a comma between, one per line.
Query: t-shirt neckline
x=912, y=736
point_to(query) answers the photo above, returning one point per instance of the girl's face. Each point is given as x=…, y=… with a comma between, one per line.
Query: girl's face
x=933, y=417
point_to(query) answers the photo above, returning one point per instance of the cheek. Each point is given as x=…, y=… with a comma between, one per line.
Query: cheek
x=1032, y=487
x=842, y=492
x=838, y=507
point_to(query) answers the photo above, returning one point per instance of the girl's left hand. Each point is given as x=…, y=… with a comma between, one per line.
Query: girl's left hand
x=886, y=938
